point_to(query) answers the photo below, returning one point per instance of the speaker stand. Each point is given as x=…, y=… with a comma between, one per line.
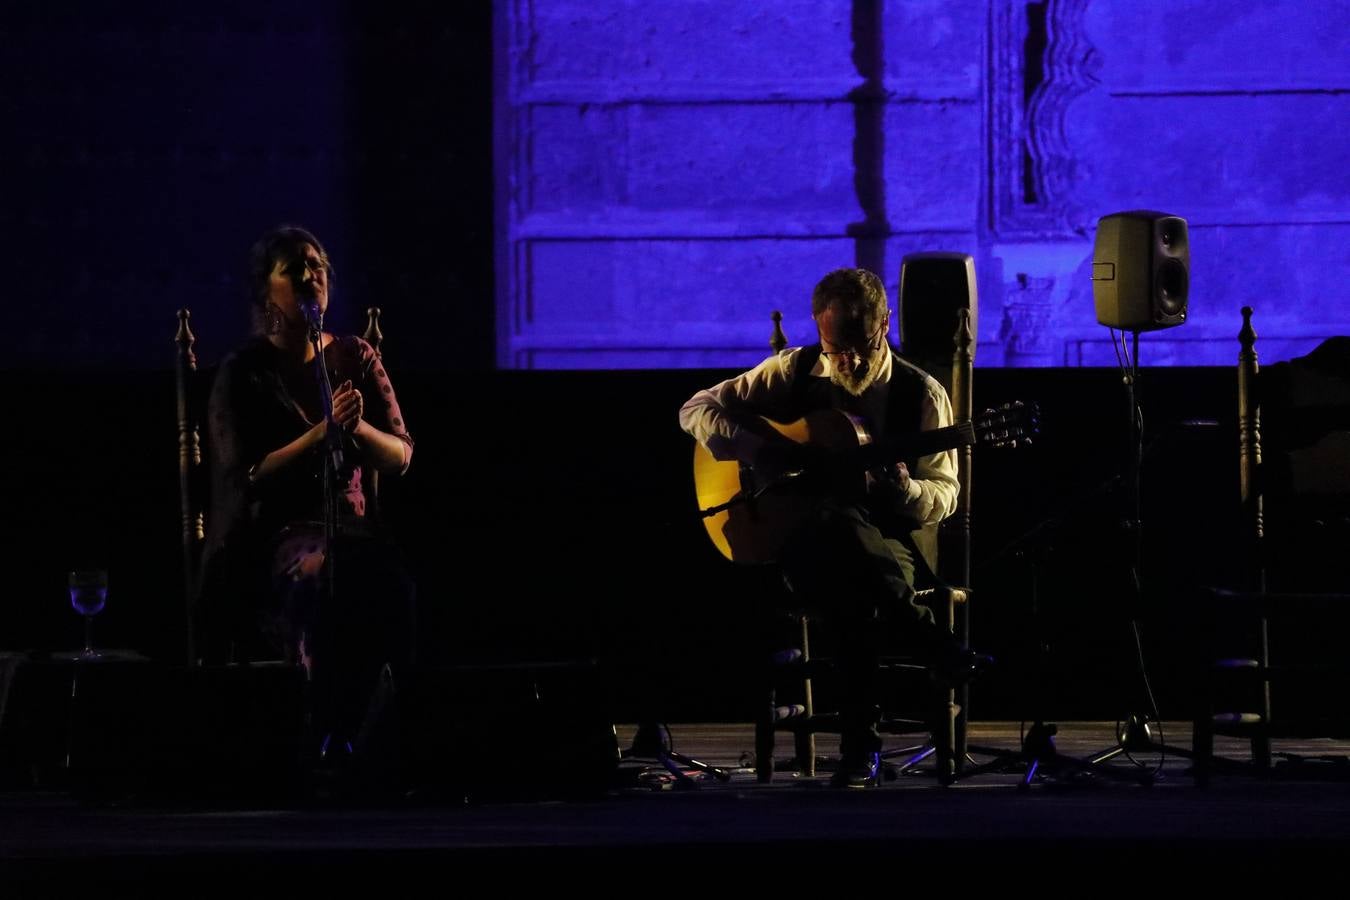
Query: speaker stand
x=1136, y=736
x=652, y=742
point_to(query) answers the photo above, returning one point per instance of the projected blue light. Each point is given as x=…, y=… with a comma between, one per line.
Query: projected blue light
x=671, y=173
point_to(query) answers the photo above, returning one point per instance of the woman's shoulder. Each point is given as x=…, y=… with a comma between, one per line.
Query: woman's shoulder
x=350, y=345
x=254, y=353
x=350, y=355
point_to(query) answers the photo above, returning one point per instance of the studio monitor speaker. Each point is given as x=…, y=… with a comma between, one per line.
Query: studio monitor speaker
x=933, y=288
x=1141, y=270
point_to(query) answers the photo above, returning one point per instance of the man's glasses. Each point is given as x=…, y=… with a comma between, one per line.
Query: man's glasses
x=854, y=356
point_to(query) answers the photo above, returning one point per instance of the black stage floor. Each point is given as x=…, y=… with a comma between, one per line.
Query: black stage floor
x=791, y=829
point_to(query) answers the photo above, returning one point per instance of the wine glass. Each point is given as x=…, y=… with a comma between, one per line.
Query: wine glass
x=88, y=594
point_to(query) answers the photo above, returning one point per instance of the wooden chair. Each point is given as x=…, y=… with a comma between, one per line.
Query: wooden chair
x=1266, y=655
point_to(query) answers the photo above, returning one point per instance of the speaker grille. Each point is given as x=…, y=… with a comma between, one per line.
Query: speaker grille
x=1170, y=286
x=1172, y=235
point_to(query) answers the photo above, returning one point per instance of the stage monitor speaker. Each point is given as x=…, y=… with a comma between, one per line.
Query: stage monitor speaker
x=1141, y=270
x=34, y=716
x=934, y=287
x=214, y=735
x=525, y=731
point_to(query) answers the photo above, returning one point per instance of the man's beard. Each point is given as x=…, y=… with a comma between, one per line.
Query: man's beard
x=856, y=382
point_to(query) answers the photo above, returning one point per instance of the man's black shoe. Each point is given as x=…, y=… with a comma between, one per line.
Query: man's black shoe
x=857, y=770
x=961, y=666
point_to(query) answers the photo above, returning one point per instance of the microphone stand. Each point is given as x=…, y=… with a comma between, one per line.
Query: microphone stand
x=332, y=466
x=332, y=444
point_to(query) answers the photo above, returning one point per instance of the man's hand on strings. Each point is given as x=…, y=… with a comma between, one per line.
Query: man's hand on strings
x=887, y=478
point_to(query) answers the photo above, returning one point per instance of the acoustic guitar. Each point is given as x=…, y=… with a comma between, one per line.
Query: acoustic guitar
x=750, y=515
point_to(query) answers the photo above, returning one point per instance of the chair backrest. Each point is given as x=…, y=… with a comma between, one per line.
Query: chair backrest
x=1294, y=464
x=193, y=392
x=191, y=473
x=370, y=483
x=955, y=530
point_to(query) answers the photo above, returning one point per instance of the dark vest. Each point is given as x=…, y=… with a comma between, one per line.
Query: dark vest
x=902, y=414
x=904, y=402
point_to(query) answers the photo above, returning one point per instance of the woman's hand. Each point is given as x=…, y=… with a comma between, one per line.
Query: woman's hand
x=348, y=406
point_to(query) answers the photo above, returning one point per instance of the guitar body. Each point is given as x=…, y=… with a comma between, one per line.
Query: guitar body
x=751, y=515
x=755, y=531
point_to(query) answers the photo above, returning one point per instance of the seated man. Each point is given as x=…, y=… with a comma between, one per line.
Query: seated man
x=853, y=556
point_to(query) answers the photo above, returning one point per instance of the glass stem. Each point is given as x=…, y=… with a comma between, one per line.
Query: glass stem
x=88, y=635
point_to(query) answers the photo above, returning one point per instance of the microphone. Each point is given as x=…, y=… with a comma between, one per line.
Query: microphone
x=313, y=315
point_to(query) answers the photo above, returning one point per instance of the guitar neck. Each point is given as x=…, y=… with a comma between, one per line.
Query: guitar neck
x=920, y=443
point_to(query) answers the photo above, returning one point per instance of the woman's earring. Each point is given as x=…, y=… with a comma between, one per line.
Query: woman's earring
x=272, y=318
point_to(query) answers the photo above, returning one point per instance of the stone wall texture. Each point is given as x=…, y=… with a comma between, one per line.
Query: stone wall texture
x=670, y=172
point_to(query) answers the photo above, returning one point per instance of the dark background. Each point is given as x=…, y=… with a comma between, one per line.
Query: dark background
x=548, y=515
x=147, y=145
x=534, y=538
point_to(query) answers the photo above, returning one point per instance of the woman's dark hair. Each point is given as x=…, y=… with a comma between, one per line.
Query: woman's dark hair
x=281, y=243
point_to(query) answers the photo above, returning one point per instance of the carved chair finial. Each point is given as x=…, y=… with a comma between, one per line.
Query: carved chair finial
x=374, y=337
x=185, y=339
x=779, y=339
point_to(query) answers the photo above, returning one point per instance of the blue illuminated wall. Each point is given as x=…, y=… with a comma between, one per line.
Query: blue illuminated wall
x=667, y=173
